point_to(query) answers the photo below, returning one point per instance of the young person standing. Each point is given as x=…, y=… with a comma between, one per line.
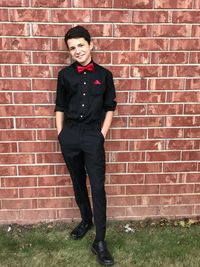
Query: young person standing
x=85, y=103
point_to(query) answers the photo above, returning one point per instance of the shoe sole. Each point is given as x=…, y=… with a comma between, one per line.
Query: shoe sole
x=105, y=264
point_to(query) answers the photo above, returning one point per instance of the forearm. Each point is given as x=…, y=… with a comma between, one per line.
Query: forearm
x=59, y=121
x=107, y=122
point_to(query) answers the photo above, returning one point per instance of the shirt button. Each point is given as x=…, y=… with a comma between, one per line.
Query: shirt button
x=81, y=116
x=84, y=94
x=84, y=82
x=83, y=105
x=84, y=72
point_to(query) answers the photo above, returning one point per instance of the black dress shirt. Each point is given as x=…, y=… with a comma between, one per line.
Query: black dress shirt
x=87, y=96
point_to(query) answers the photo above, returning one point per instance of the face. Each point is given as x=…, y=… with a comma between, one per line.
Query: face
x=80, y=50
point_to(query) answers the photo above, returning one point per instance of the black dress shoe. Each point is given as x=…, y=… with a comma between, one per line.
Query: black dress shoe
x=103, y=255
x=80, y=230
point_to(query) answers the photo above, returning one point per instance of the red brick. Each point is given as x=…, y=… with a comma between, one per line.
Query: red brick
x=131, y=84
x=119, y=122
x=129, y=134
x=36, y=170
x=147, y=44
x=170, y=30
x=64, y=191
x=34, y=123
x=15, y=135
x=184, y=71
x=19, y=182
x=173, y=4
x=12, y=3
x=8, y=193
x=51, y=58
x=51, y=3
x=174, y=211
x=183, y=97
x=15, y=57
x=150, y=16
x=69, y=214
x=44, y=84
x=182, y=121
x=17, y=159
x=111, y=15
x=195, y=31
x=192, y=109
x=144, y=97
x=55, y=203
x=133, y=4
x=194, y=57
x=165, y=133
x=166, y=84
x=4, y=15
x=92, y=3
x=176, y=189
x=34, y=216
x=32, y=71
x=196, y=4
x=130, y=30
x=30, y=43
x=6, y=124
x=111, y=145
x=130, y=110
x=142, y=212
x=180, y=167
x=5, y=171
x=36, y=192
x=146, y=145
x=193, y=84
x=54, y=181
x=126, y=179
x=9, y=216
x=185, y=17
x=29, y=15
x=19, y=204
x=116, y=212
x=165, y=109
x=47, y=135
x=71, y=15
x=112, y=44
x=185, y=44
x=49, y=29
x=144, y=167
x=163, y=156
x=146, y=122
x=179, y=144
x=16, y=110
x=5, y=44
x=169, y=58
x=192, y=178
x=192, y=133
x=34, y=98
x=115, y=190
x=102, y=57
x=49, y=158
x=116, y=168
x=14, y=29
x=5, y=71
x=6, y=98
x=36, y=146
x=191, y=155
x=131, y=58
x=128, y=156
x=8, y=147
x=126, y=201
x=122, y=97
x=142, y=189
x=148, y=71
x=161, y=178
x=15, y=85
x=119, y=71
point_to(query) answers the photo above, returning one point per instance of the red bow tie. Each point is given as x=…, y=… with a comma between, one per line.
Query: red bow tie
x=89, y=67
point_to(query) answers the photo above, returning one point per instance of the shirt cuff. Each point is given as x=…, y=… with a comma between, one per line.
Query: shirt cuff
x=58, y=108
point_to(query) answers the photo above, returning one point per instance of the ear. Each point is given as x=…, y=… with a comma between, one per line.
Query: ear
x=91, y=45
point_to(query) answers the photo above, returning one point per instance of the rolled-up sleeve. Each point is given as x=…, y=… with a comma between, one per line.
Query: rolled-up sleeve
x=110, y=94
x=60, y=102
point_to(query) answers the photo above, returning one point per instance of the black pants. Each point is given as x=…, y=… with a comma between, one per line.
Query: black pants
x=82, y=146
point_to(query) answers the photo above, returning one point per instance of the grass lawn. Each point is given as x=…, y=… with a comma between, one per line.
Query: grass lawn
x=146, y=243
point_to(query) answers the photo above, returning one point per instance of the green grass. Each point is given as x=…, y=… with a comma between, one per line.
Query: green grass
x=152, y=244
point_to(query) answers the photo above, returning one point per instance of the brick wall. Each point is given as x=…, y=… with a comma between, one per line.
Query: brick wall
x=152, y=48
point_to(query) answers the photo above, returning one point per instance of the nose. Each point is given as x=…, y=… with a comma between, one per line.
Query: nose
x=77, y=50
